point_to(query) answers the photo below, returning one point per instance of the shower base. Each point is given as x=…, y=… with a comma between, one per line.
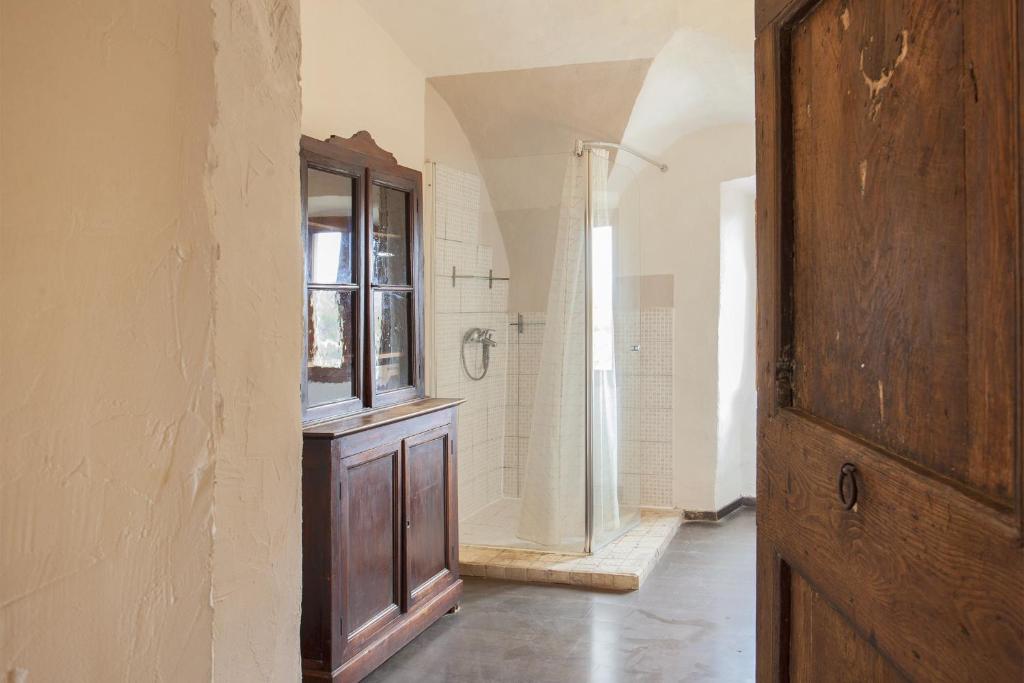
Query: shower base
x=488, y=547
x=495, y=525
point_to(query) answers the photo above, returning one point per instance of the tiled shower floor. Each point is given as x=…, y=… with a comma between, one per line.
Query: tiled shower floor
x=622, y=564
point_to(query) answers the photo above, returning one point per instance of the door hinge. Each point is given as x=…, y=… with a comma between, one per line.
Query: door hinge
x=784, y=381
x=340, y=495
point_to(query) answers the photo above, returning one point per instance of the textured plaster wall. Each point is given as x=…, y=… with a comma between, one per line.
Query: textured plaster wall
x=253, y=199
x=106, y=360
x=149, y=340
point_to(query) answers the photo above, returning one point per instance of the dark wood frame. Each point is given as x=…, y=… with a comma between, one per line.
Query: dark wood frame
x=361, y=159
x=350, y=168
x=414, y=267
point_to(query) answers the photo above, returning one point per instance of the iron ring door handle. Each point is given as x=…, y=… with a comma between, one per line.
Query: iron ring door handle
x=847, y=485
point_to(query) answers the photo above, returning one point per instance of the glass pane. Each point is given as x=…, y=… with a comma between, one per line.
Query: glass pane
x=615, y=351
x=331, y=347
x=392, y=339
x=329, y=214
x=390, y=237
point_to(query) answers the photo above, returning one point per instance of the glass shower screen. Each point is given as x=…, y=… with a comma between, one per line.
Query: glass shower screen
x=613, y=277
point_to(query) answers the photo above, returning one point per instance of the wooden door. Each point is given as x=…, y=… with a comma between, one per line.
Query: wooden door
x=430, y=523
x=369, y=549
x=889, y=350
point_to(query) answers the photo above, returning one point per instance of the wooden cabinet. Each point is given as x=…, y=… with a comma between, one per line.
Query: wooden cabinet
x=379, y=538
x=379, y=533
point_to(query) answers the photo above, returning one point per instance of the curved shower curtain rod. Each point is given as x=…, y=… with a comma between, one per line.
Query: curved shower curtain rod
x=589, y=144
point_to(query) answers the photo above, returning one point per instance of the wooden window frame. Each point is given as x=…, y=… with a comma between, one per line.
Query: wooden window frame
x=360, y=158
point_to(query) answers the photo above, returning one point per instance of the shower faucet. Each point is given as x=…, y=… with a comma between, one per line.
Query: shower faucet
x=484, y=337
x=480, y=336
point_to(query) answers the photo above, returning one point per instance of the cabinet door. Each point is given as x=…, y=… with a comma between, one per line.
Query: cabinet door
x=369, y=520
x=430, y=522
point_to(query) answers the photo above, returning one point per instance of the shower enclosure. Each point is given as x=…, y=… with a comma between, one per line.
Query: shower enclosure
x=572, y=367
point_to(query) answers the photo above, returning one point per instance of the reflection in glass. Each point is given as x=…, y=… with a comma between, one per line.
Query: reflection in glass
x=390, y=236
x=330, y=346
x=391, y=337
x=329, y=215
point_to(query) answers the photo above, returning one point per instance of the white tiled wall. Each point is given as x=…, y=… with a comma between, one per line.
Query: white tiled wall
x=523, y=364
x=470, y=303
x=645, y=392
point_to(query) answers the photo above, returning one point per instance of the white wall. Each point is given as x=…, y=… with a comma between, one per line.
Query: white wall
x=356, y=77
x=680, y=218
x=149, y=289
x=446, y=143
x=737, y=394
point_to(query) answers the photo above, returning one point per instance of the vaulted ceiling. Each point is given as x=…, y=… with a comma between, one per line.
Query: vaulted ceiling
x=698, y=56
x=448, y=37
x=525, y=78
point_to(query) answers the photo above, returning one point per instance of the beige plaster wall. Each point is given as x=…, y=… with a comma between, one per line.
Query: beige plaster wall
x=149, y=340
x=355, y=76
x=680, y=214
x=107, y=398
x=253, y=200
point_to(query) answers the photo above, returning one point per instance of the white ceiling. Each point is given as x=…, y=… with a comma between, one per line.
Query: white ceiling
x=447, y=37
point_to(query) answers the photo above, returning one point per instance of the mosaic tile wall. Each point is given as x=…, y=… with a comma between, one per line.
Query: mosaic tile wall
x=523, y=365
x=646, y=410
x=470, y=303
x=647, y=467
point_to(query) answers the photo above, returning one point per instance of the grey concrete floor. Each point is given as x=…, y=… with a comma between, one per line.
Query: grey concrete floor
x=692, y=620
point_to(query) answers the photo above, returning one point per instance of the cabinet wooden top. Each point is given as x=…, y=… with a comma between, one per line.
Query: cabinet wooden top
x=377, y=418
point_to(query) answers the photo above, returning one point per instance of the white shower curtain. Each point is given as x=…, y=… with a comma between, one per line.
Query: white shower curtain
x=554, y=486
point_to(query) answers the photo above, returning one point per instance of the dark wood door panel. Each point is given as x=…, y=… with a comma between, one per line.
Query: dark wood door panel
x=427, y=534
x=881, y=339
x=425, y=472
x=890, y=340
x=936, y=577
x=823, y=646
x=370, y=552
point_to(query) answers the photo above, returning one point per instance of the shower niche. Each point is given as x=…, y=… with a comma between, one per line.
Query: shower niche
x=562, y=476
x=380, y=557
